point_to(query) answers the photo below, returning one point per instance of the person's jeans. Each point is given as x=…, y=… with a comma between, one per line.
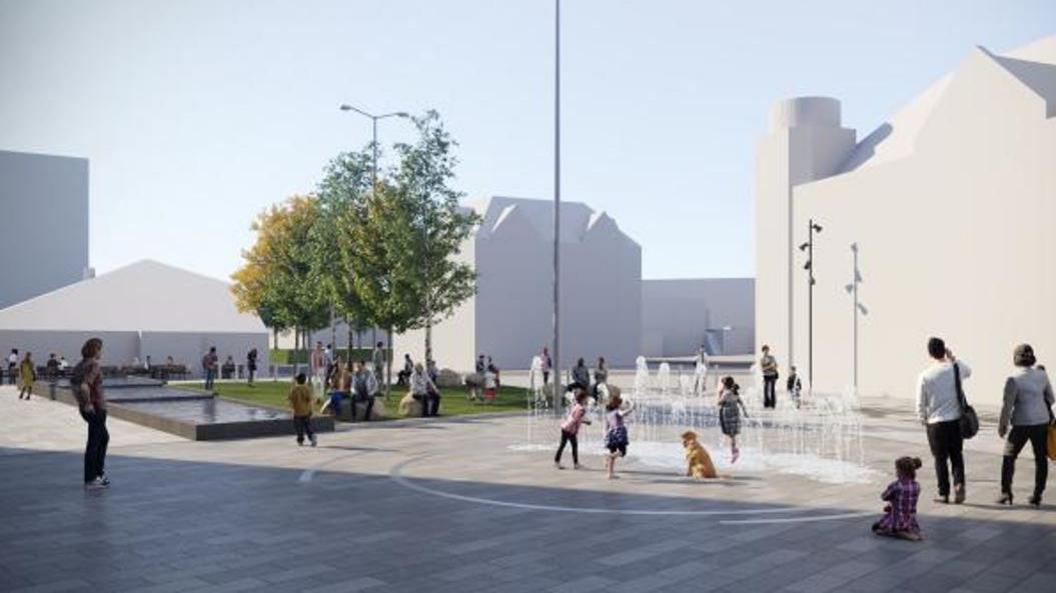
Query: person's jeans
x=95, y=449
x=946, y=444
x=769, y=391
x=369, y=401
x=210, y=377
x=1038, y=435
x=303, y=426
x=568, y=438
x=431, y=404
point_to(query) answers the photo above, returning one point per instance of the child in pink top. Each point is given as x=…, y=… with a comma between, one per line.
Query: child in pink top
x=570, y=430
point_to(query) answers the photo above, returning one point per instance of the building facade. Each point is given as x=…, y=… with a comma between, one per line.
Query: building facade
x=949, y=204
x=43, y=224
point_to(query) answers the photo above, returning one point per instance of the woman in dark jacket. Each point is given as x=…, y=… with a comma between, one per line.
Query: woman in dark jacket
x=1028, y=409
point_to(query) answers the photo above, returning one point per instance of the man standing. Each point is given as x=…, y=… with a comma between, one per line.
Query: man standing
x=939, y=409
x=768, y=365
x=328, y=361
x=12, y=366
x=87, y=384
x=377, y=360
x=317, y=366
x=251, y=365
x=209, y=364
x=546, y=366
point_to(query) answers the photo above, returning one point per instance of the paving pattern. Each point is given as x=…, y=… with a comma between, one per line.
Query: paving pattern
x=442, y=505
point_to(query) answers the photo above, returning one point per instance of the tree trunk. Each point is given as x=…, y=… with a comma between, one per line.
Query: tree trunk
x=348, y=324
x=388, y=366
x=428, y=341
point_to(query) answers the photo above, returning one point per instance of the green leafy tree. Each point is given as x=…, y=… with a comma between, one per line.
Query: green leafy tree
x=434, y=226
x=343, y=191
x=278, y=280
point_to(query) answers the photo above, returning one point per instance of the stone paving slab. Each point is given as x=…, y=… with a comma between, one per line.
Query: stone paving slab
x=446, y=505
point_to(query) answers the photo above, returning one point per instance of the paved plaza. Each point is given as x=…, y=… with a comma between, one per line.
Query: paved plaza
x=455, y=505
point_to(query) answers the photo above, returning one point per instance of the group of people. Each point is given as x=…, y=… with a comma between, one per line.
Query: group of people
x=211, y=367
x=581, y=378
x=1026, y=416
x=616, y=437
x=794, y=385
x=484, y=383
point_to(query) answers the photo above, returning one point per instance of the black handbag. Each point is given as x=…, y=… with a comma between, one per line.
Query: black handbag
x=969, y=422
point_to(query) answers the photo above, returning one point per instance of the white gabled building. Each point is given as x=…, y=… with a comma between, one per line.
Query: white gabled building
x=145, y=308
x=951, y=203
x=510, y=317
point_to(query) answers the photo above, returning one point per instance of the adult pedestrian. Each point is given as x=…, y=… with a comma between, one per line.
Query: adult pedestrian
x=406, y=372
x=939, y=409
x=548, y=363
x=209, y=365
x=12, y=366
x=580, y=377
x=86, y=380
x=365, y=389
x=768, y=366
x=377, y=359
x=317, y=366
x=1028, y=410
x=424, y=390
x=328, y=361
x=601, y=377
x=251, y=365
x=27, y=374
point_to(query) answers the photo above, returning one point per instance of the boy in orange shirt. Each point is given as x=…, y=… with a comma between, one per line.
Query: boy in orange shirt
x=301, y=401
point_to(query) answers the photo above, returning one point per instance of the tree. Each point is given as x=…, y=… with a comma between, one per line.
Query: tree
x=344, y=189
x=278, y=280
x=434, y=228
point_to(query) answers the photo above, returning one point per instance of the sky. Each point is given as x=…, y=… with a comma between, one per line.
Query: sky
x=196, y=115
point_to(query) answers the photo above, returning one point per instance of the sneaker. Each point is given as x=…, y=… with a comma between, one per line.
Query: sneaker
x=314, y=442
x=96, y=484
x=105, y=481
x=577, y=466
x=558, y=466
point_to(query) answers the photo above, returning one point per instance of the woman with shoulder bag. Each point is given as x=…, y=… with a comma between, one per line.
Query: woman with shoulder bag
x=1028, y=410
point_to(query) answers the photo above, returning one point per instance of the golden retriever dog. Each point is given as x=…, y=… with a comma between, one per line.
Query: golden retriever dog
x=698, y=462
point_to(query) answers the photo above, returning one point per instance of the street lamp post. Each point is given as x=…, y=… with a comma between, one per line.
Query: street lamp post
x=557, y=203
x=812, y=228
x=374, y=142
x=373, y=189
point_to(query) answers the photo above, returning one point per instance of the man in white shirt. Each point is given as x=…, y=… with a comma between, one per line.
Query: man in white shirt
x=939, y=409
x=12, y=366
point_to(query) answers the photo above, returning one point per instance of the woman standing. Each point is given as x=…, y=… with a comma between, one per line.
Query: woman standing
x=27, y=374
x=87, y=383
x=1028, y=408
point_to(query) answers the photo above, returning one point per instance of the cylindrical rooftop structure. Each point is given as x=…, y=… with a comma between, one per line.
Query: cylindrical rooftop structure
x=805, y=111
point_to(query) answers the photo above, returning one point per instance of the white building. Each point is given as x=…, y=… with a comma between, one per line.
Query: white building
x=951, y=203
x=510, y=317
x=143, y=309
x=43, y=224
x=681, y=315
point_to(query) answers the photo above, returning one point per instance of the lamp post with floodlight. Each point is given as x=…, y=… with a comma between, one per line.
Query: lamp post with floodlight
x=808, y=247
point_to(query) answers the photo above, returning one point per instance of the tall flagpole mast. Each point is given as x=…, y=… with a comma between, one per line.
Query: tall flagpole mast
x=557, y=204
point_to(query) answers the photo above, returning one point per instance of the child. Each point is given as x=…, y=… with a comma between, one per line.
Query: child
x=616, y=440
x=301, y=401
x=698, y=462
x=730, y=408
x=570, y=430
x=900, y=514
x=27, y=374
x=491, y=384
x=795, y=386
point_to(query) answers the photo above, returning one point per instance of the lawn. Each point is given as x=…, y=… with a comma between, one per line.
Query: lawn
x=453, y=401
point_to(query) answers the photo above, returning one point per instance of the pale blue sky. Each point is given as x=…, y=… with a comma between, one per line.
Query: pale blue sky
x=198, y=114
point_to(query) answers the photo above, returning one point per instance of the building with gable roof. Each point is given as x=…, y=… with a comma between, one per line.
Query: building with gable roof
x=143, y=309
x=950, y=203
